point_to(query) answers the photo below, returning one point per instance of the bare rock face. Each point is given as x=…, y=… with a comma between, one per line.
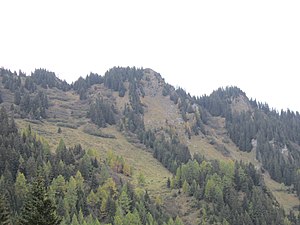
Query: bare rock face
x=240, y=104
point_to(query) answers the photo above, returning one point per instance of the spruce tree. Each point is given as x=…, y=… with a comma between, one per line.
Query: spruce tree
x=4, y=212
x=38, y=208
x=1, y=100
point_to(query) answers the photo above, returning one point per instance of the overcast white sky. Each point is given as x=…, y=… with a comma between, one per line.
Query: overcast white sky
x=198, y=45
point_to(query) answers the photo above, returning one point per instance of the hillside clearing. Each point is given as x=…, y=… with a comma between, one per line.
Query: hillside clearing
x=141, y=160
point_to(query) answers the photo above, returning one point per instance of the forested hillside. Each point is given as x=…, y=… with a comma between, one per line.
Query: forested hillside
x=274, y=135
x=124, y=147
x=70, y=186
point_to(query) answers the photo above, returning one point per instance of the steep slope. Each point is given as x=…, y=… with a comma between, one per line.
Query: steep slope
x=136, y=115
x=141, y=160
x=215, y=142
x=67, y=111
x=66, y=119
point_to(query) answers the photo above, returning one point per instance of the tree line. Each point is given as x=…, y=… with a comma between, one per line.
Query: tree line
x=30, y=102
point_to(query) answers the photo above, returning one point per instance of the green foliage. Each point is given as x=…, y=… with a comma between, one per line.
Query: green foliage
x=70, y=195
x=33, y=106
x=275, y=135
x=213, y=189
x=33, y=103
x=141, y=179
x=4, y=211
x=102, y=113
x=171, y=154
x=188, y=105
x=124, y=202
x=86, y=191
x=228, y=193
x=38, y=209
x=81, y=85
x=118, y=220
x=71, y=182
x=133, y=112
x=92, y=199
x=59, y=130
x=48, y=79
x=21, y=189
x=185, y=187
x=132, y=219
x=115, y=78
x=166, y=148
x=241, y=130
x=167, y=89
x=118, y=164
x=178, y=221
x=218, y=102
x=10, y=80
x=132, y=121
x=30, y=85
x=1, y=99
x=75, y=220
x=9, y=145
x=97, y=132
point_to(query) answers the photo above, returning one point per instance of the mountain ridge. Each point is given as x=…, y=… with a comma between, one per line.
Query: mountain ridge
x=139, y=105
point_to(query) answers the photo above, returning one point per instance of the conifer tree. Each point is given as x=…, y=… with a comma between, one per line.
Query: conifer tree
x=4, y=212
x=20, y=189
x=124, y=202
x=74, y=220
x=38, y=209
x=1, y=100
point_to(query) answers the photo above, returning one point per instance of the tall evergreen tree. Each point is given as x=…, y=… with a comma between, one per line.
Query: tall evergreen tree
x=1, y=100
x=4, y=212
x=38, y=208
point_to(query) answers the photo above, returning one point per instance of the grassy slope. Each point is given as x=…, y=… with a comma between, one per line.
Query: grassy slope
x=161, y=108
x=67, y=109
x=142, y=161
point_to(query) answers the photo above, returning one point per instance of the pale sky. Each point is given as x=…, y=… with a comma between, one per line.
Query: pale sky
x=198, y=45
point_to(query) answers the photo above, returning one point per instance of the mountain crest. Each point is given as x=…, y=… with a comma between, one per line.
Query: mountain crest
x=163, y=131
